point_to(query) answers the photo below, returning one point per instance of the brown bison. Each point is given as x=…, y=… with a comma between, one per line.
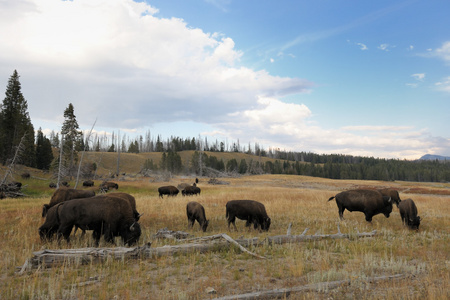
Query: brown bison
x=51, y=224
x=88, y=183
x=108, y=185
x=249, y=210
x=196, y=211
x=107, y=215
x=395, y=197
x=131, y=200
x=408, y=212
x=191, y=190
x=169, y=190
x=370, y=202
x=64, y=194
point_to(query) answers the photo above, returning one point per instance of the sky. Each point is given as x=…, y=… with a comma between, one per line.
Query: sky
x=363, y=78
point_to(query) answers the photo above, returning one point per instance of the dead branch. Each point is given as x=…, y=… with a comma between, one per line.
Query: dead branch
x=315, y=287
x=50, y=258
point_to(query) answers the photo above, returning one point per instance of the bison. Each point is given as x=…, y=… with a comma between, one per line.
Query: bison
x=395, y=197
x=408, y=212
x=51, y=224
x=88, y=183
x=196, y=211
x=64, y=194
x=169, y=190
x=107, y=215
x=131, y=200
x=370, y=202
x=191, y=190
x=108, y=185
x=248, y=210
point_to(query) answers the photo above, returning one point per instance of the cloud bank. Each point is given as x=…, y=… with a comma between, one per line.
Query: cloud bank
x=120, y=63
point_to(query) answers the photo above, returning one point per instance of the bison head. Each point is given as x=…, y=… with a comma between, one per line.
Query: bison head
x=266, y=224
x=205, y=225
x=414, y=222
x=131, y=234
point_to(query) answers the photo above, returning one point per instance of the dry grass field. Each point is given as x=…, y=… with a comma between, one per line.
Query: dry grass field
x=423, y=257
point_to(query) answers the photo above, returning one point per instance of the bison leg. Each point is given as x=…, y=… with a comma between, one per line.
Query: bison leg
x=341, y=211
x=64, y=230
x=232, y=219
x=368, y=217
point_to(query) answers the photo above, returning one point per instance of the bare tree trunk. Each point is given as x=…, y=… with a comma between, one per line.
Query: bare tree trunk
x=82, y=153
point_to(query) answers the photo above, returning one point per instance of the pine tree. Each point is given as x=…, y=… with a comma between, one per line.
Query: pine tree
x=71, y=135
x=15, y=123
x=44, y=154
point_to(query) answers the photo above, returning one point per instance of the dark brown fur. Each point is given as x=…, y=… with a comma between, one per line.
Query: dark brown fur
x=370, y=202
x=64, y=194
x=169, y=190
x=191, y=190
x=107, y=215
x=408, y=213
x=249, y=210
x=391, y=193
x=196, y=212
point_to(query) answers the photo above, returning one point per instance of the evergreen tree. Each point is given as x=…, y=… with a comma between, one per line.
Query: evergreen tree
x=15, y=123
x=70, y=131
x=44, y=154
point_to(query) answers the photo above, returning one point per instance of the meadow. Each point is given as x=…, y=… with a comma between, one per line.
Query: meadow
x=422, y=257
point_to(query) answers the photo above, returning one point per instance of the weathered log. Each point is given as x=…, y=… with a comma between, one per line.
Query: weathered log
x=286, y=292
x=50, y=258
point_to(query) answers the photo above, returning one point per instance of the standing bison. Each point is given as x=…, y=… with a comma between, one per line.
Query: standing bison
x=108, y=185
x=107, y=215
x=51, y=224
x=191, y=190
x=408, y=212
x=196, y=211
x=370, y=202
x=88, y=183
x=249, y=210
x=64, y=194
x=169, y=190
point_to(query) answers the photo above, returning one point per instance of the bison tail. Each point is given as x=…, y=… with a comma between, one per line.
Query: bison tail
x=331, y=199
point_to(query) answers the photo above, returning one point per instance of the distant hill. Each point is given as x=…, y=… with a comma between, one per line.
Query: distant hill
x=434, y=157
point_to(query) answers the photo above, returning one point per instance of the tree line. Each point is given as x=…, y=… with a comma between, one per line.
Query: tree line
x=17, y=131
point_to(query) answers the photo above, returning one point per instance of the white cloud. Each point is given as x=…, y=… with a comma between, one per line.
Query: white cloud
x=444, y=84
x=362, y=46
x=102, y=55
x=444, y=51
x=384, y=47
x=418, y=76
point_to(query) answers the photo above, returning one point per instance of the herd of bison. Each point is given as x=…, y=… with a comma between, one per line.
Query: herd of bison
x=114, y=214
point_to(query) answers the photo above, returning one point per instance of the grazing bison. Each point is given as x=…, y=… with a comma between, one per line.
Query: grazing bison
x=169, y=190
x=191, y=190
x=65, y=183
x=108, y=185
x=107, y=215
x=52, y=185
x=64, y=194
x=51, y=224
x=196, y=211
x=408, y=212
x=370, y=202
x=395, y=197
x=248, y=210
x=25, y=175
x=88, y=183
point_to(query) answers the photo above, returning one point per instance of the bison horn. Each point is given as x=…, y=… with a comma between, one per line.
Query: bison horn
x=132, y=226
x=140, y=215
x=389, y=201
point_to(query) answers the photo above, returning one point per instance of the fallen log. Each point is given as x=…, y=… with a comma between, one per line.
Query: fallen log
x=51, y=258
x=315, y=287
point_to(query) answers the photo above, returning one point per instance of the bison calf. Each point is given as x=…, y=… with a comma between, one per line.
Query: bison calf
x=249, y=210
x=370, y=202
x=408, y=212
x=196, y=212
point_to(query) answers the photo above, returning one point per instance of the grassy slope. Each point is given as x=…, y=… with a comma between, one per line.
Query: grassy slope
x=424, y=256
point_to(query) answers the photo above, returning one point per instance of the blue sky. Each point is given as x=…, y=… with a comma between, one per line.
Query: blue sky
x=367, y=78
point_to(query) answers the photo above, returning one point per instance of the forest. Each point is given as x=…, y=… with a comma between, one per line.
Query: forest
x=59, y=152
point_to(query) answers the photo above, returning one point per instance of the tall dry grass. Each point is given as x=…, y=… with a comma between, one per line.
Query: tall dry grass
x=423, y=256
